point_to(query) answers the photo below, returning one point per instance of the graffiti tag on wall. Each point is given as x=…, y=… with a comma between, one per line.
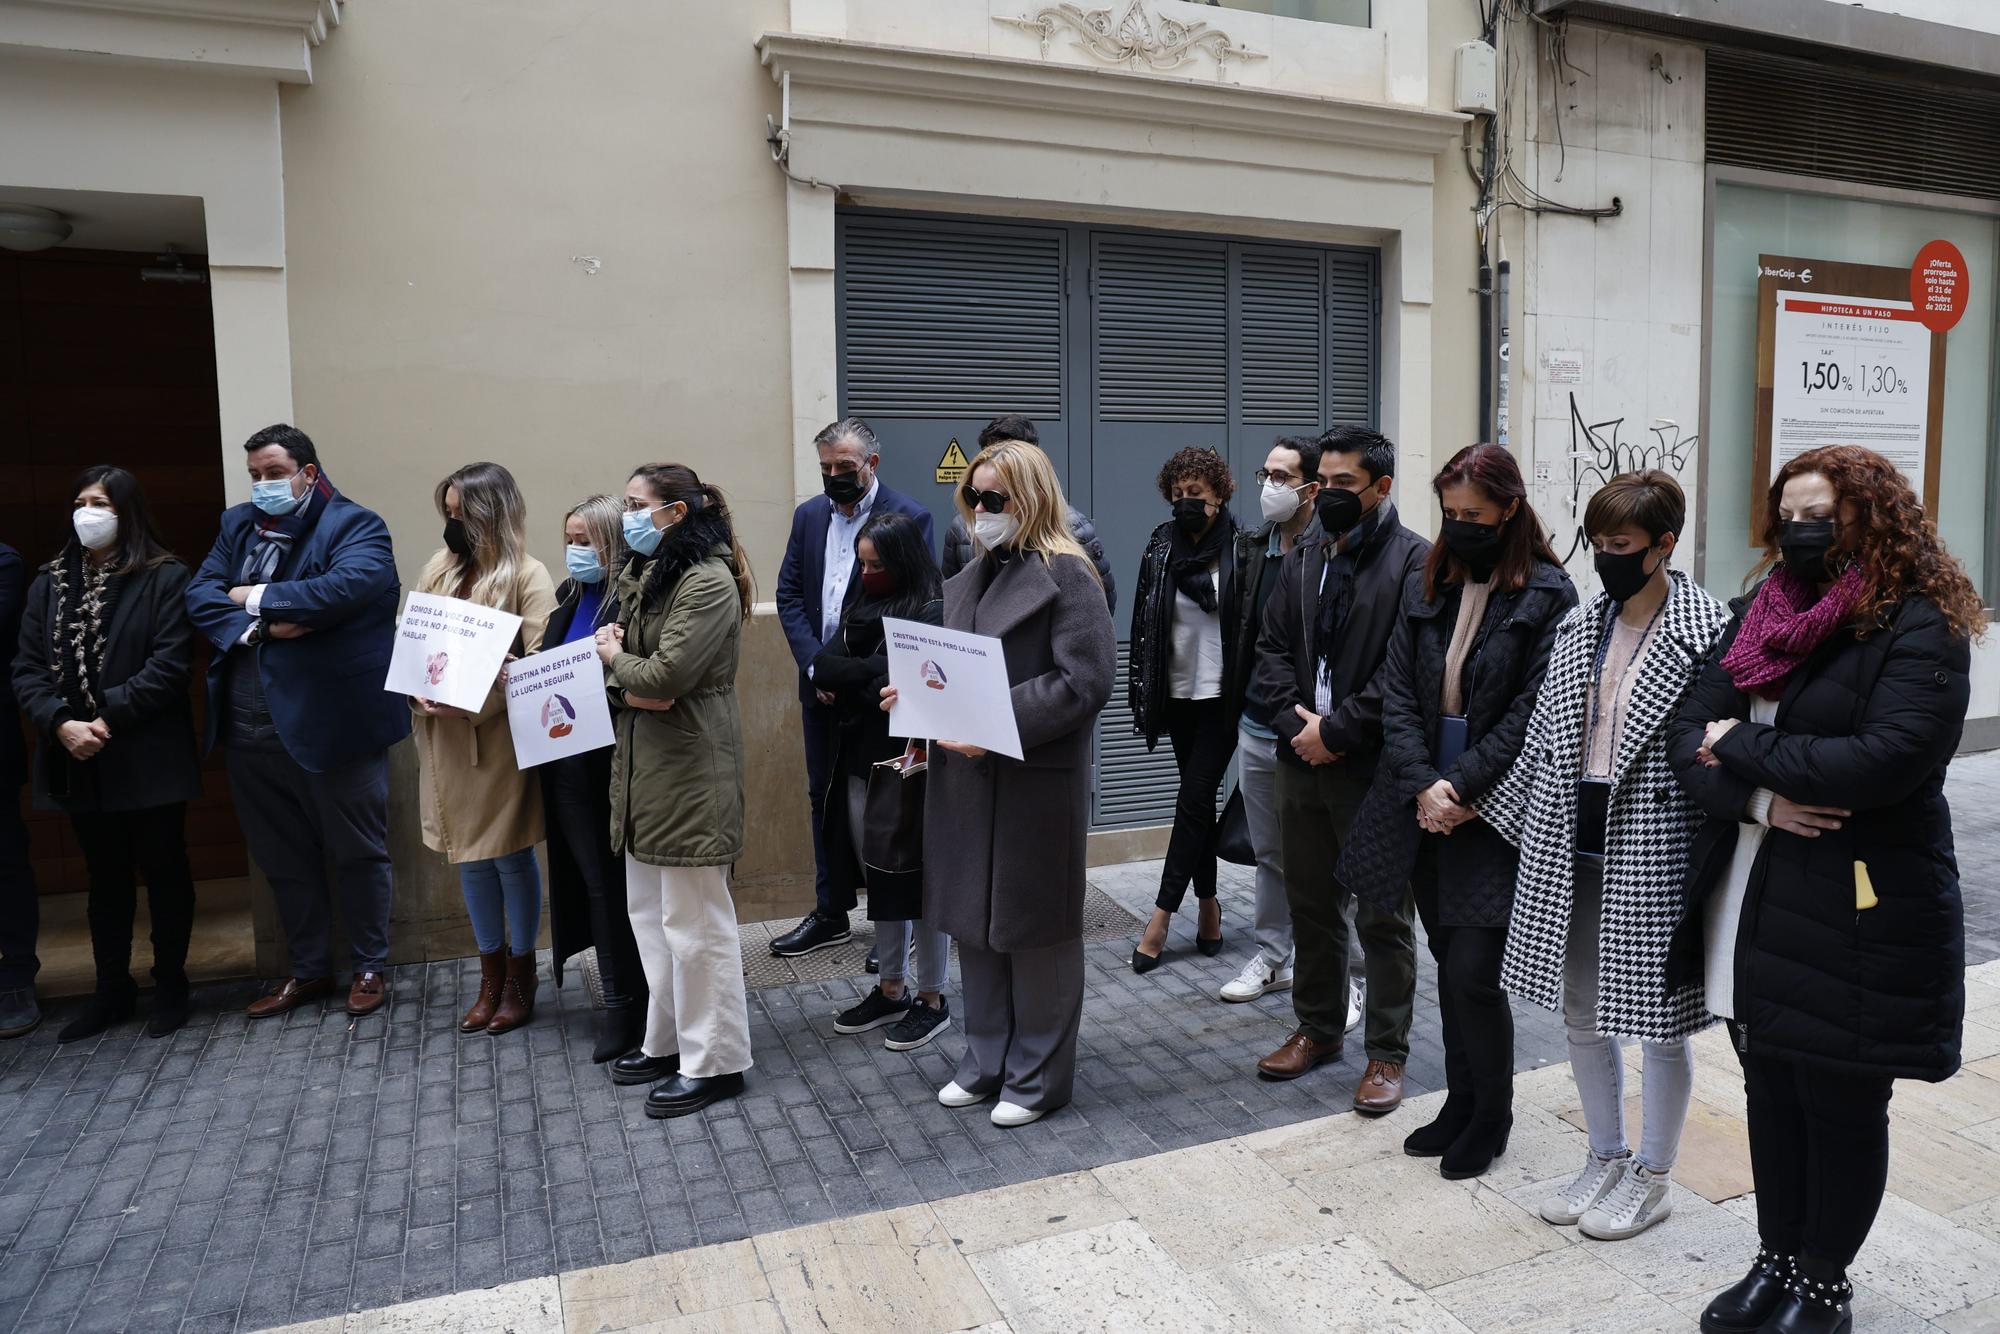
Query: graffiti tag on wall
x=1598, y=452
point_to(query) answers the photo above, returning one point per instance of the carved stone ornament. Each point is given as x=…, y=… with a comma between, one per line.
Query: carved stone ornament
x=1134, y=38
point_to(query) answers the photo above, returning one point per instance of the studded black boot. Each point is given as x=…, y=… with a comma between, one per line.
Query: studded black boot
x=1813, y=1306
x=1744, y=1308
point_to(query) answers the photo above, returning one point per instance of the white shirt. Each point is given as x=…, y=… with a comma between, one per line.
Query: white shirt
x=841, y=531
x=1723, y=913
x=1323, y=684
x=1194, y=648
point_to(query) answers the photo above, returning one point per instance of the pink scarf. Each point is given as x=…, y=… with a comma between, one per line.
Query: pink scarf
x=1784, y=624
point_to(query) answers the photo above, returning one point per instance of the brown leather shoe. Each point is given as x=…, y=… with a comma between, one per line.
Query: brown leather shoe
x=492, y=972
x=368, y=994
x=1381, y=1090
x=1297, y=1055
x=517, y=995
x=289, y=995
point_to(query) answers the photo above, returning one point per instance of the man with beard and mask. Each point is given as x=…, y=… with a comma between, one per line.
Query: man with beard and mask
x=1319, y=655
x=819, y=574
x=297, y=600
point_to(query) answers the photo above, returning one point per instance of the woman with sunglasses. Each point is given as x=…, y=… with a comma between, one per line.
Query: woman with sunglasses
x=1187, y=658
x=1004, y=875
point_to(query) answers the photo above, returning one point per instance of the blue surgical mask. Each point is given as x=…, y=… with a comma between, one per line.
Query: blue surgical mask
x=274, y=497
x=584, y=566
x=640, y=535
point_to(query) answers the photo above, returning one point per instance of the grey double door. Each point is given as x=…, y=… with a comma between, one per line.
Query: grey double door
x=1123, y=346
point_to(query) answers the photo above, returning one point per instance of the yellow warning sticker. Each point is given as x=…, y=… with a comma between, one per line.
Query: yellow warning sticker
x=951, y=468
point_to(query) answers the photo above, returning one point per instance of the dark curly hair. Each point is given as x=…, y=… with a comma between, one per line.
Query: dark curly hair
x=1200, y=463
x=1900, y=553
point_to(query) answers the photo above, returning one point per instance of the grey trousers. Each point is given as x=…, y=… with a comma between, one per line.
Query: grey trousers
x=302, y=826
x=1021, y=1013
x=1257, y=776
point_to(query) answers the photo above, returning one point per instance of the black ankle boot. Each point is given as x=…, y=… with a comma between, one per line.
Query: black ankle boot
x=620, y=1029
x=1744, y=1308
x=1432, y=1140
x=103, y=1009
x=1477, y=1146
x=1812, y=1306
x=170, y=1010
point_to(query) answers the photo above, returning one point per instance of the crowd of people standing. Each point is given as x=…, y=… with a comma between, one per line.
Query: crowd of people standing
x=1642, y=810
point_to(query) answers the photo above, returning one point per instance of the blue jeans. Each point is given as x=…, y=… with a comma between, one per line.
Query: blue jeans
x=503, y=897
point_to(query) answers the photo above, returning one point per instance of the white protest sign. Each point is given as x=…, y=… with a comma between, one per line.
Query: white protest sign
x=449, y=651
x=950, y=686
x=556, y=704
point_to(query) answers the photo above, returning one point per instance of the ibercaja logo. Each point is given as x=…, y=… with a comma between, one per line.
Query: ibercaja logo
x=933, y=674
x=557, y=715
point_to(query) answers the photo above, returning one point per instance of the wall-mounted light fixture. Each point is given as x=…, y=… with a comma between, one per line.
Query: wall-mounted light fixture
x=26, y=227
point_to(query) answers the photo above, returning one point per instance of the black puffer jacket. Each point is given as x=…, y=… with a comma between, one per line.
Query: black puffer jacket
x=1476, y=867
x=958, y=551
x=1146, y=686
x=1868, y=725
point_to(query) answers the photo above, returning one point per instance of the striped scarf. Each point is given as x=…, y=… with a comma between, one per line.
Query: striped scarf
x=278, y=534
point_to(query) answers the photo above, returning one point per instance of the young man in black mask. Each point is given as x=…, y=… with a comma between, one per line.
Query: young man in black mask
x=1325, y=633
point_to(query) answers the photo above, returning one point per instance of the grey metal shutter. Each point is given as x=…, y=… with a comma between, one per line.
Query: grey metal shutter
x=1350, y=338
x=1133, y=787
x=1777, y=113
x=1161, y=329
x=1283, y=358
x=950, y=320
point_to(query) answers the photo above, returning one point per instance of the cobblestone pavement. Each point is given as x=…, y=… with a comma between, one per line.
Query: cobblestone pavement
x=241, y=1175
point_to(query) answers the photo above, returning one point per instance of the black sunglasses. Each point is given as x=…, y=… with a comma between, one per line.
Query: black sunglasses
x=991, y=501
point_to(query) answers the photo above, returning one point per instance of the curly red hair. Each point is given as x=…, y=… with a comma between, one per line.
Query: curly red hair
x=1200, y=464
x=1900, y=552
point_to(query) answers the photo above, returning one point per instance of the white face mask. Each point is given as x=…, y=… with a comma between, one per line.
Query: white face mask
x=95, y=528
x=1280, y=503
x=994, y=530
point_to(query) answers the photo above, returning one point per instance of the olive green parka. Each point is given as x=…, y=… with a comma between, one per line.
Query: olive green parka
x=677, y=774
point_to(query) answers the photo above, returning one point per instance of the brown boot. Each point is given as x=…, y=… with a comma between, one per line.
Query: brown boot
x=517, y=994
x=492, y=969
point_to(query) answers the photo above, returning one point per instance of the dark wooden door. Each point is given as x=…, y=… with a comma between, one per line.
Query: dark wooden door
x=97, y=366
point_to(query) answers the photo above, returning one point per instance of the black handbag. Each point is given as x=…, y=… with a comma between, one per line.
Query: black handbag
x=1232, y=832
x=892, y=819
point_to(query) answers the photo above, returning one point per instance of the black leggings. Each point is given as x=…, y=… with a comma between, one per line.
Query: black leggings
x=1472, y=1006
x=1203, y=736
x=1819, y=1151
x=582, y=807
x=119, y=846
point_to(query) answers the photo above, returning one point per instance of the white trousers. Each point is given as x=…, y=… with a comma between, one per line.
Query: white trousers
x=685, y=923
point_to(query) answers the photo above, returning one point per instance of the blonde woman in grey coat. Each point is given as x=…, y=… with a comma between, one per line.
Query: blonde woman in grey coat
x=1604, y=829
x=1004, y=874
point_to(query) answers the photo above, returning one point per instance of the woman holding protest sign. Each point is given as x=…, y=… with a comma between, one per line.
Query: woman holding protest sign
x=479, y=809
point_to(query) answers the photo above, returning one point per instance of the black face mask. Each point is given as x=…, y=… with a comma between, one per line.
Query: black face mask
x=1806, y=544
x=1338, y=510
x=1477, y=546
x=842, y=488
x=456, y=539
x=1191, y=515
x=1624, y=576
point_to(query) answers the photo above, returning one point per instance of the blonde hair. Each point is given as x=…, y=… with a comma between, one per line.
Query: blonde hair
x=603, y=519
x=496, y=523
x=1028, y=477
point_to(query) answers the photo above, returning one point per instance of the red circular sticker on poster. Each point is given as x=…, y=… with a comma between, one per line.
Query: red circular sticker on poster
x=1937, y=286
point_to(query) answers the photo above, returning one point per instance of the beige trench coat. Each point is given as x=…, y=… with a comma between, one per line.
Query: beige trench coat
x=476, y=803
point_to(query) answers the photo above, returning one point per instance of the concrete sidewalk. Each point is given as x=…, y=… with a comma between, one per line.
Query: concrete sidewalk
x=1320, y=1226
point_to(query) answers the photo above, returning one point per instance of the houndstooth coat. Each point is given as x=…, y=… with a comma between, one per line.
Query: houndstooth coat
x=1650, y=826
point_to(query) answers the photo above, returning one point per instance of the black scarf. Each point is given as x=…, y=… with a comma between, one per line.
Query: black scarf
x=1187, y=563
x=1337, y=594
x=85, y=595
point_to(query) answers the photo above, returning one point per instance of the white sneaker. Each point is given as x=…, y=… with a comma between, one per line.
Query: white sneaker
x=1639, y=1200
x=1355, y=995
x=1257, y=977
x=951, y=1095
x=1007, y=1115
x=1583, y=1192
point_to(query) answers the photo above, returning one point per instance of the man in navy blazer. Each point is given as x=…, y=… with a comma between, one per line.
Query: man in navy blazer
x=298, y=599
x=818, y=576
